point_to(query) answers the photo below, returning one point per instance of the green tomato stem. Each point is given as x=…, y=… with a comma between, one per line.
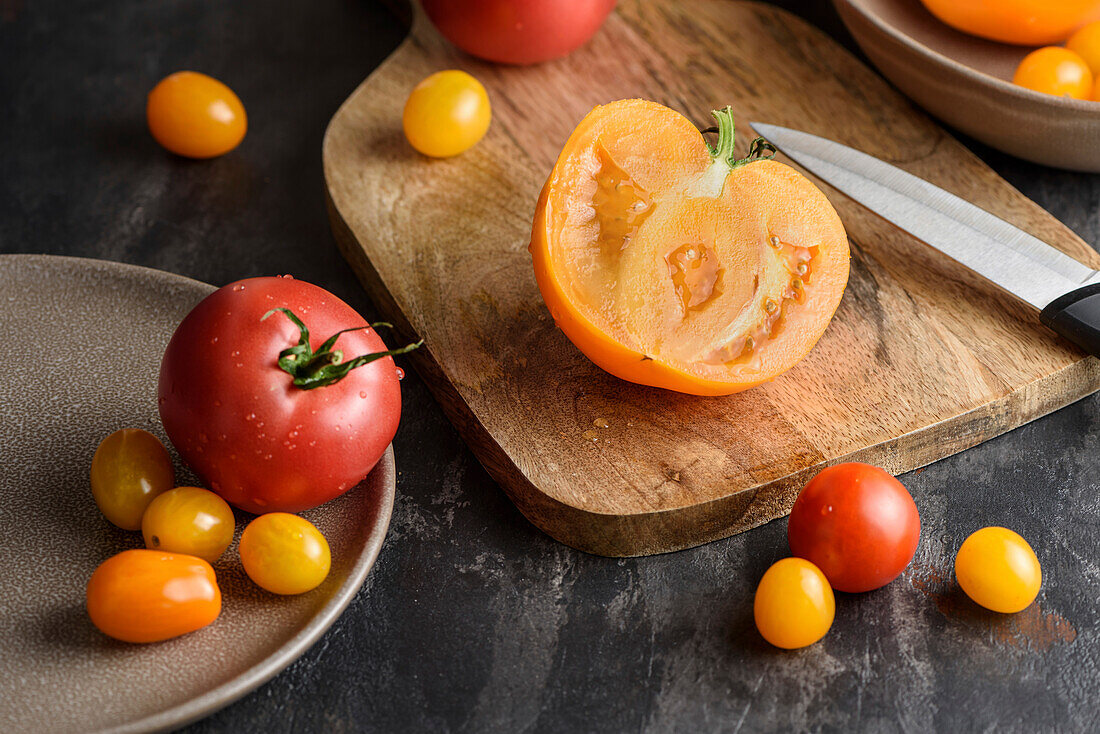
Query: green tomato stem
x=325, y=366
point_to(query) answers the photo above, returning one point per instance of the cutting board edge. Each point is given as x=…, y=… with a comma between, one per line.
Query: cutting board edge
x=640, y=534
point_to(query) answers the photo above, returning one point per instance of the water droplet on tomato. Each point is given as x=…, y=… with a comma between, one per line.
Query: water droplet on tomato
x=363, y=394
x=287, y=277
x=601, y=423
x=214, y=340
x=591, y=435
x=267, y=457
x=250, y=417
x=235, y=353
x=400, y=374
x=292, y=434
x=774, y=241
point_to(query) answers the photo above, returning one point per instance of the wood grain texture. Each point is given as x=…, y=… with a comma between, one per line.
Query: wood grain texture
x=922, y=360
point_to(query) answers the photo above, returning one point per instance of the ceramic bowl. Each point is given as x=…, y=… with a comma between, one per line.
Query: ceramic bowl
x=966, y=82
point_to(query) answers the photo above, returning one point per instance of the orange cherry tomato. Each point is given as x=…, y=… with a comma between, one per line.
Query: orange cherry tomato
x=196, y=116
x=998, y=570
x=284, y=553
x=1055, y=70
x=149, y=596
x=446, y=114
x=1086, y=44
x=672, y=264
x=129, y=469
x=189, y=520
x=1025, y=22
x=794, y=604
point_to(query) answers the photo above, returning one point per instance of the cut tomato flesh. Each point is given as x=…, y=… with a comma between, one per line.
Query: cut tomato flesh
x=671, y=268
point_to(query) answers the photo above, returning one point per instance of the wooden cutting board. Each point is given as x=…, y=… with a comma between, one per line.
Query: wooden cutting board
x=922, y=360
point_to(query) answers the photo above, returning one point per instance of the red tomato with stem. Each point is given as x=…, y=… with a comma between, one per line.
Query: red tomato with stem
x=258, y=399
x=857, y=523
x=518, y=31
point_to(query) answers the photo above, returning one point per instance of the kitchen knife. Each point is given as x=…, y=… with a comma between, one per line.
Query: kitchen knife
x=1065, y=291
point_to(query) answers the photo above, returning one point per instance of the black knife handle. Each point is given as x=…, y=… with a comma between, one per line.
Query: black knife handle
x=1076, y=316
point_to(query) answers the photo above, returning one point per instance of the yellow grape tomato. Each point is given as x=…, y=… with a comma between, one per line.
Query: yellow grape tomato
x=998, y=570
x=129, y=469
x=189, y=520
x=794, y=604
x=284, y=553
x=195, y=115
x=446, y=114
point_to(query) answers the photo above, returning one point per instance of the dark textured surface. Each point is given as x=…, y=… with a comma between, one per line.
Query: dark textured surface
x=472, y=619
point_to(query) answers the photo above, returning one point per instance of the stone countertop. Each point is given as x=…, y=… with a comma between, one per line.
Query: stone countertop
x=473, y=620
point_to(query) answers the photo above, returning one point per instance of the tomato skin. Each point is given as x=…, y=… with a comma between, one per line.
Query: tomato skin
x=129, y=469
x=794, y=605
x=1055, y=70
x=998, y=570
x=149, y=596
x=188, y=520
x=284, y=553
x=1086, y=44
x=857, y=523
x=237, y=419
x=195, y=115
x=446, y=114
x=518, y=31
x=1024, y=22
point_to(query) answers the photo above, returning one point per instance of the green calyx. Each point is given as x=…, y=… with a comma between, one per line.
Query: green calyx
x=759, y=149
x=312, y=369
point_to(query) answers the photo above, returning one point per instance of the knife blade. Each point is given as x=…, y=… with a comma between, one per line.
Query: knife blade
x=1064, y=290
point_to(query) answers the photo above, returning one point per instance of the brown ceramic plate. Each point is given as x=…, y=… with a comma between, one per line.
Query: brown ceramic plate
x=966, y=82
x=82, y=341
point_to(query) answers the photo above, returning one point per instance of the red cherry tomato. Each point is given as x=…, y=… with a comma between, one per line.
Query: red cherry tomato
x=857, y=524
x=262, y=438
x=518, y=31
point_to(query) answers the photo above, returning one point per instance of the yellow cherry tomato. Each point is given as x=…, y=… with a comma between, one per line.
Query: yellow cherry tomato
x=794, y=604
x=129, y=469
x=1086, y=44
x=446, y=114
x=284, y=553
x=194, y=115
x=188, y=520
x=998, y=570
x=1055, y=70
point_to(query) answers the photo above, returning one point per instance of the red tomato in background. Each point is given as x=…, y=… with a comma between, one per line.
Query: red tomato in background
x=858, y=524
x=518, y=31
x=238, y=420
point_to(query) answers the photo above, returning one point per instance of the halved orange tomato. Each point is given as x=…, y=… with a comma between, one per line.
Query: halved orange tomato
x=673, y=264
